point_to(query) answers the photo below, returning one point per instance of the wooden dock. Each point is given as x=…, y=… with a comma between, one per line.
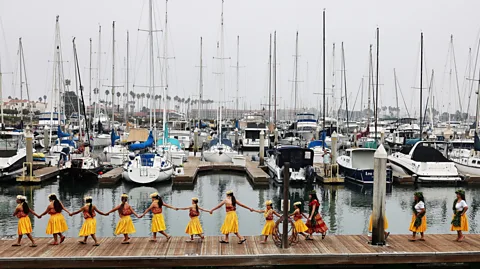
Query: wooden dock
x=334, y=250
x=327, y=179
x=111, y=177
x=194, y=165
x=40, y=175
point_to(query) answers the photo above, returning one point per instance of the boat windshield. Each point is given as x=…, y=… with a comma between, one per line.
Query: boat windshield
x=462, y=145
x=10, y=142
x=252, y=134
x=305, y=117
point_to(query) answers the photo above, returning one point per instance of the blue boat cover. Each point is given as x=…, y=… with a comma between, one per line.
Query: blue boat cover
x=60, y=133
x=113, y=137
x=147, y=159
x=225, y=142
x=317, y=143
x=171, y=141
x=143, y=145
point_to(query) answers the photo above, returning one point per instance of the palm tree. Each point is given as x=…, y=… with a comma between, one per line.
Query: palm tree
x=143, y=98
x=148, y=99
x=138, y=97
x=40, y=99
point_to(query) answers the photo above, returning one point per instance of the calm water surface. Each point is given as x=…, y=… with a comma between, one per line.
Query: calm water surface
x=345, y=209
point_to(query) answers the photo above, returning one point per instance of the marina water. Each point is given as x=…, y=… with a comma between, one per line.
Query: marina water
x=345, y=208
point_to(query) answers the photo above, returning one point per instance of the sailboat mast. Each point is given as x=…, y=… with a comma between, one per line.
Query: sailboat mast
x=200, y=87
x=324, y=107
x=113, y=72
x=150, y=41
x=396, y=92
x=296, y=77
x=333, y=81
x=361, y=101
x=421, y=84
x=376, y=83
x=275, y=78
x=238, y=76
x=59, y=72
x=345, y=84
x=370, y=71
x=90, y=83
x=77, y=87
x=270, y=80
x=126, y=89
x=430, y=107
x=1, y=96
x=165, y=56
x=99, y=65
x=21, y=74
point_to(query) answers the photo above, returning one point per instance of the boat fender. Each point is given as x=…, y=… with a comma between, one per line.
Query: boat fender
x=163, y=164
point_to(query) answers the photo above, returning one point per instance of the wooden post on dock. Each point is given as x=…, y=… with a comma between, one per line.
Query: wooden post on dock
x=286, y=180
x=46, y=138
x=355, y=138
x=333, y=161
x=379, y=190
x=262, y=148
x=195, y=142
x=382, y=137
x=237, y=145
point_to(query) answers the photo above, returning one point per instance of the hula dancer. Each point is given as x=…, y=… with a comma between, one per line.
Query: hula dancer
x=419, y=219
x=89, y=226
x=24, y=225
x=125, y=224
x=315, y=222
x=56, y=224
x=230, y=224
x=158, y=222
x=300, y=227
x=460, y=221
x=269, y=223
x=194, y=226
x=385, y=226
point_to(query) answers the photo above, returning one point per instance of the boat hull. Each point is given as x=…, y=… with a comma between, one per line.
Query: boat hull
x=147, y=175
x=218, y=157
x=434, y=174
x=364, y=176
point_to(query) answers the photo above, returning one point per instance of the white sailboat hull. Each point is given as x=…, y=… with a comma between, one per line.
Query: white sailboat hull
x=147, y=175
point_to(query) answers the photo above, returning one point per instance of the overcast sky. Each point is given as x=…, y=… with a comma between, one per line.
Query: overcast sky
x=350, y=21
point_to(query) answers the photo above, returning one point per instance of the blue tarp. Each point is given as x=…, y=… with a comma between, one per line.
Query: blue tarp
x=226, y=142
x=113, y=137
x=317, y=143
x=143, y=145
x=60, y=133
x=171, y=141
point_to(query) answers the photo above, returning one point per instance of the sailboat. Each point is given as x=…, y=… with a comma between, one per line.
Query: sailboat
x=220, y=150
x=149, y=167
x=12, y=146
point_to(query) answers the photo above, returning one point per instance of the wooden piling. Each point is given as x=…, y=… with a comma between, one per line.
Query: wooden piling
x=379, y=191
x=286, y=180
x=262, y=148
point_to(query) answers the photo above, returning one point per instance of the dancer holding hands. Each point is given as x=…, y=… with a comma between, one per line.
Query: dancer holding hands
x=297, y=215
x=56, y=224
x=230, y=224
x=24, y=224
x=158, y=222
x=194, y=226
x=269, y=226
x=125, y=224
x=89, y=226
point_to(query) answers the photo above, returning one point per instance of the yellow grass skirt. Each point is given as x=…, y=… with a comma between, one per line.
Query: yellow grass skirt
x=56, y=224
x=370, y=224
x=89, y=227
x=24, y=226
x=230, y=224
x=422, y=228
x=463, y=224
x=158, y=223
x=268, y=227
x=125, y=226
x=300, y=226
x=194, y=226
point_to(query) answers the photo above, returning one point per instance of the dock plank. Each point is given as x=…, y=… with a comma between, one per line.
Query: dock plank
x=334, y=249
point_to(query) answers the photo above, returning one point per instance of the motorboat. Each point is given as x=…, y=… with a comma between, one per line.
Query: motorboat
x=219, y=152
x=306, y=126
x=290, y=138
x=252, y=135
x=12, y=154
x=300, y=159
x=425, y=161
x=357, y=165
x=115, y=150
x=171, y=149
x=179, y=130
x=463, y=154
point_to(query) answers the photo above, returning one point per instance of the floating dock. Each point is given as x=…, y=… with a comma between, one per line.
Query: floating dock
x=334, y=250
x=40, y=175
x=111, y=177
x=194, y=165
x=327, y=179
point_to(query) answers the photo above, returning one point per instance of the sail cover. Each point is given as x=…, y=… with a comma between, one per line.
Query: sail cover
x=143, y=145
x=61, y=134
x=113, y=137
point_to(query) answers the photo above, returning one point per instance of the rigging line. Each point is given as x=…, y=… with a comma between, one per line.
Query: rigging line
x=466, y=82
x=9, y=63
x=355, y=103
x=403, y=99
x=474, y=69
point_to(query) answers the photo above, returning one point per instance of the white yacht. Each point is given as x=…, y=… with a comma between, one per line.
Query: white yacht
x=219, y=152
x=12, y=154
x=306, y=126
x=425, y=161
x=301, y=163
x=251, y=137
x=463, y=154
